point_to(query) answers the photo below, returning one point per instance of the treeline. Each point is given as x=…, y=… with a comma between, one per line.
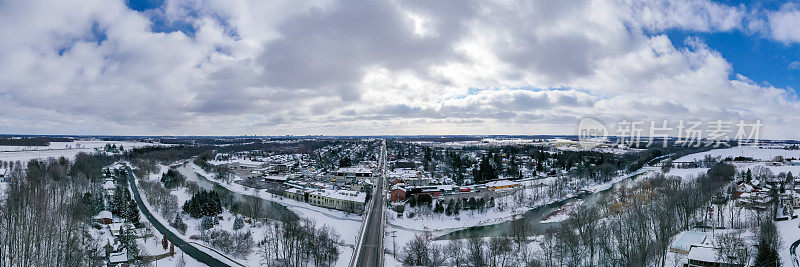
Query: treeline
x=631, y=227
x=32, y=141
x=167, y=155
x=510, y=249
x=221, y=171
x=44, y=218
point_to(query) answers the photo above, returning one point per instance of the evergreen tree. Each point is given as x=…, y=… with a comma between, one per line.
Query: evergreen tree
x=89, y=200
x=207, y=223
x=133, y=212
x=128, y=241
x=485, y=171
x=471, y=204
x=439, y=208
x=98, y=204
x=172, y=179
x=203, y=203
x=345, y=162
x=767, y=255
x=412, y=201
x=238, y=223
x=178, y=223
x=119, y=205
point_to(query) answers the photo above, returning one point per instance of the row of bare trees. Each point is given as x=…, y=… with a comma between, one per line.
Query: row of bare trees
x=630, y=227
x=293, y=242
x=44, y=222
x=509, y=249
x=636, y=227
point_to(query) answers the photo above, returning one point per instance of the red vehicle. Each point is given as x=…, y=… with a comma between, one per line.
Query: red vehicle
x=465, y=189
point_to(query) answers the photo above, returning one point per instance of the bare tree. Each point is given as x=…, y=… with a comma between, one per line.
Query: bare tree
x=455, y=251
x=732, y=248
x=476, y=254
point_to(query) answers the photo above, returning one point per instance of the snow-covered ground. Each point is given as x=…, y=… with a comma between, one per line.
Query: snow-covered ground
x=77, y=144
x=505, y=209
x=789, y=232
x=192, y=228
x=345, y=224
x=61, y=149
x=746, y=151
x=687, y=173
x=563, y=213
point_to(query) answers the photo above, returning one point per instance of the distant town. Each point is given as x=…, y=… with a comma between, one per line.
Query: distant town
x=339, y=201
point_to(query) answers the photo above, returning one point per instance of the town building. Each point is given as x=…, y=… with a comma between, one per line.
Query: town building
x=353, y=174
x=104, y=217
x=344, y=200
x=397, y=193
x=501, y=185
x=434, y=191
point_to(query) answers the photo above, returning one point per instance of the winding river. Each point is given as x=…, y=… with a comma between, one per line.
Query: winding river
x=272, y=209
x=533, y=218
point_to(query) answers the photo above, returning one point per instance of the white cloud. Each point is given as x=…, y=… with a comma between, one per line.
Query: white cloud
x=783, y=23
x=794, y=65
x=395, y=67
x=700, y=15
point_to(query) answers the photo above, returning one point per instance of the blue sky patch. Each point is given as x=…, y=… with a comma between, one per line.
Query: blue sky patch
x=757, y=58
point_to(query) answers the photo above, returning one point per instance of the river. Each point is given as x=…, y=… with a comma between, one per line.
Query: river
x=272, y=209
x=533, y=218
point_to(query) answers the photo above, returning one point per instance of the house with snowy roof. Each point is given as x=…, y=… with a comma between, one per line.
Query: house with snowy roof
x=687, y=240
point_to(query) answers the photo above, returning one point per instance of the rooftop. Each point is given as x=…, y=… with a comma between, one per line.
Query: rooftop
x=348, y=195
x=354, y=170
x=500, y=183
x=688, y=239
x=702, y=253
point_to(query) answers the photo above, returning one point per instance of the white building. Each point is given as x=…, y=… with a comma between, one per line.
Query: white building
x=353, y=174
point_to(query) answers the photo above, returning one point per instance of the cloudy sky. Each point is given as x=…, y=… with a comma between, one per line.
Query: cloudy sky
x=243, y=67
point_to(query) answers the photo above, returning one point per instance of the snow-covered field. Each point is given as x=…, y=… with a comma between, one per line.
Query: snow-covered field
x=746, y=151
x=345, y=224
x=61, y=149
x=687, y=173
x=77, y=145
